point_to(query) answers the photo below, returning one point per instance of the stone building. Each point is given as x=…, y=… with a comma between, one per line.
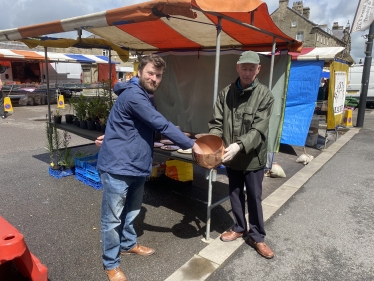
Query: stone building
x=295, y=23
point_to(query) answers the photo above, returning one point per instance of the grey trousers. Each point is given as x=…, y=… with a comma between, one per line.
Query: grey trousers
x=253, y=183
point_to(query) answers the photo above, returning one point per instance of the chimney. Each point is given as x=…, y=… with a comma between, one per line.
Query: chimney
x=298, y=7
x=335, y=26
x=283, y=4
x=306, y=12
x=347, y=27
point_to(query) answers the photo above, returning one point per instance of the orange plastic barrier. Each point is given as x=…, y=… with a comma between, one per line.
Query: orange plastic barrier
x=13, y=247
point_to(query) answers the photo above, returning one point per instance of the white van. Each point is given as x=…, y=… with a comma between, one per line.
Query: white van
x=354, y=83
x=61, y=73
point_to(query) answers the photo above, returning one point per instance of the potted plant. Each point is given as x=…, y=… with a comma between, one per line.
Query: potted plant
x=57, y=117
x=103, y=121
x=53, y=145
x=80, y=107
x=92, y=112
x=61, y=157
x=105, y=105
x=66, y=160
x=69, y=117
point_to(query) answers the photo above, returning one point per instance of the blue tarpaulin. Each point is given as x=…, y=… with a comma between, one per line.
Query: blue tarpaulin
x=302, y=92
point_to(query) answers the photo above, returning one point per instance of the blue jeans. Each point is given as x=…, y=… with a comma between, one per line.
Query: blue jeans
x=122, y=200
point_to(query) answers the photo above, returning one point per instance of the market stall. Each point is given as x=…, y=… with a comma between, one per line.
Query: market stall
x=306, y=71
x=26, y=74
x=185, y=25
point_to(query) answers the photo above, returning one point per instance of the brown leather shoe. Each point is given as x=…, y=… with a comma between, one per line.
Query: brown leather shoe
x=232, y=235
x=261, y=248
x=139, y=250
x=116, y=274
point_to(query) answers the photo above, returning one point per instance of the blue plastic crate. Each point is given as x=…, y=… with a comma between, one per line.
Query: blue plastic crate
x=96, y=185
x=82, y=162
x=87, y=181
x=91, y=166
x=80, y=177
x=80, y=171
x=60, y=173
x=93, y=175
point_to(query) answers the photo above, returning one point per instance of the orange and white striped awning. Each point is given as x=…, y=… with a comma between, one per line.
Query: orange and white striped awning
x=163, y=25
x=11, y=55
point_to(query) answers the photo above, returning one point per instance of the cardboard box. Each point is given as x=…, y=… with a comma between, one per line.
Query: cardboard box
x=313, y=130
x=157, y=170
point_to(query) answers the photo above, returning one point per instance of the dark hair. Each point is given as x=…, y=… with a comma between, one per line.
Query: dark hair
x=156, y=60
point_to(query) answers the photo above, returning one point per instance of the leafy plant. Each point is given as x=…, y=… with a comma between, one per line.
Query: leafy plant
x=95, y=107
x=53, y=144
x=80, y=107
x=56, y=139
x=60, y=154
x=80, y=154
x=58, y=113
x=70, y=102
x=103, y=120
x=67, y=159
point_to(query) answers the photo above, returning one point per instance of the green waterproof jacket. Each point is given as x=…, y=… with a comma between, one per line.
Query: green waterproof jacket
x=242, y=116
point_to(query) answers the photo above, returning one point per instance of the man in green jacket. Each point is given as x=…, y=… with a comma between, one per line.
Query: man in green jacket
x=241, y=118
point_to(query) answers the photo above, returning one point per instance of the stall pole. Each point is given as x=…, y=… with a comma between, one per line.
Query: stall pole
x=110, y=78
x=270, y=155
x=216, y=70
x=209, y=208
x=365, y=78
x=46, y=72
x=272, y=63
x=216, y=74
x=50, y=128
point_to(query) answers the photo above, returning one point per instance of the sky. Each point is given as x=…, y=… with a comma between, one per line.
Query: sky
x=19, y=13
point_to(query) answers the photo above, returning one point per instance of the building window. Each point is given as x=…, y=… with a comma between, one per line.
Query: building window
x=293, y=23
x=300, y=36
x=106, y=53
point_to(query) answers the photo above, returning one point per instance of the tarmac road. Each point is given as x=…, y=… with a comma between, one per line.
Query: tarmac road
x=60, y=219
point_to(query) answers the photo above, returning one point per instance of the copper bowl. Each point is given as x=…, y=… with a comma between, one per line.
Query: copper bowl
x=213, y=149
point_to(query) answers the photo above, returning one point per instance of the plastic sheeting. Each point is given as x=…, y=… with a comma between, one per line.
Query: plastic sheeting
x=185, y=96
x=302, y=94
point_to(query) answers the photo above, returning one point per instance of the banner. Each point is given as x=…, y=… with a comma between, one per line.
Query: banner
x=339, y=92
x=334, y=120
x=364, y=15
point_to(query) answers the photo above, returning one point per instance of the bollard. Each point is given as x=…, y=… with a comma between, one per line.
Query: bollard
x=347, y=119
x=14, y=248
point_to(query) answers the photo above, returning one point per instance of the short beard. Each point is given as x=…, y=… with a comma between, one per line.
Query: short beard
x=145, y=87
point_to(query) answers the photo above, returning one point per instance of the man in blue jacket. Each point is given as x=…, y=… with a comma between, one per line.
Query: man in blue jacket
x=125, y=160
